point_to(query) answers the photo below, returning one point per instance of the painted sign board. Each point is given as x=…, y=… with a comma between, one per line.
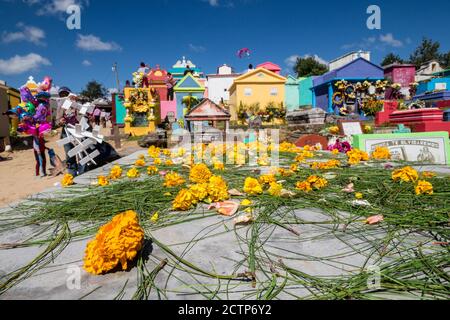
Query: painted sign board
x=440, y=86
x=350, y=127
x=426, y=148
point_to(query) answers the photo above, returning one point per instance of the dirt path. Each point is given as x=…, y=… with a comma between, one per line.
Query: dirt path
x=17, y=173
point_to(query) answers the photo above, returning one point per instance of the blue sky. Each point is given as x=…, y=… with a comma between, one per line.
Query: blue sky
x=35, y=41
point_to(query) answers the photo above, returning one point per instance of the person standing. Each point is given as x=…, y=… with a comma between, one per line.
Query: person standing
x=144, y=69
x=97, y=113
x=170, y=83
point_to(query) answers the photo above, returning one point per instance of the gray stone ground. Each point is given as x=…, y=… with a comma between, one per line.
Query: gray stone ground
x=209, y=243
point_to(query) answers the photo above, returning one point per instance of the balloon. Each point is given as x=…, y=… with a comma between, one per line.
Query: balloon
x=27, y=96
x=46, y=85
x=243, y=53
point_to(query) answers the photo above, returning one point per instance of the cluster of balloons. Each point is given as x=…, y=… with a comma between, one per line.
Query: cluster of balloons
x=34, y=109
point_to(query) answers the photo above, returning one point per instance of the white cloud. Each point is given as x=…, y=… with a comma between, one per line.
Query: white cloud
x=372, y=42
x=86, y=63
x=389, y=40
x=20, y=64
x=93, y=43
x=56, y=7
x=196, y=48
x=27, y=33
x=212, y=3
x=292, y=60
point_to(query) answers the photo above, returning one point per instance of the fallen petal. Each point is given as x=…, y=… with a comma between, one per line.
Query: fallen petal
x=349, y=188
x=374, y=219
x=245, y=219
x=226, y=208
x=235, y=193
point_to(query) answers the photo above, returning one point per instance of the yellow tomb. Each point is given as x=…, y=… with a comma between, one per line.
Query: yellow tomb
x=143, y=111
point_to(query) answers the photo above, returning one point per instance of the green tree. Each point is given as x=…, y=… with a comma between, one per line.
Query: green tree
x=445, y=60
x=305, y=67
x=94, y=90
x=391, y=58
x=428, y=50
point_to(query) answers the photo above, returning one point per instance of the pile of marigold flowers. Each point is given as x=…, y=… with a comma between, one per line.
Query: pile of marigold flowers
x=312, y=183
x=355, y=156
x=67, y=180
x=331, y=164
x=214, y=190
x=381, y=153
x=116, y=243
x=410, y=175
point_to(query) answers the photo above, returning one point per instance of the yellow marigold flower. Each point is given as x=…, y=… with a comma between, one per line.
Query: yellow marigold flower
x=102, y=181
x=334, y=130
x=116, y=243
x=381, y=153
x=154, y=152
x=331, y=164
x=139, y=163
x=183, y=201
x=173, y=179
x=294, y=167
x=200, y=173
x=67, y=180
x=267, y=179
x=141, y=156
x=285, y=173
x=167, y=152
x=157, y=161
x=355, y=156
x=428, y=174
x=406, y=174
x=155, y=217
x=424, y=187
x=181, y=152
x=359, y=195
x=335, y=152
x=317, y=182
x=263, y=162
x=199, y=191
x=275, y=189
x=152, y=170
x=252, y=186
x=303, y=186
x=115, y=173
x=219, y=166
x=133, y=173
x=218, y=189
x=246, y=203
x=169, y=162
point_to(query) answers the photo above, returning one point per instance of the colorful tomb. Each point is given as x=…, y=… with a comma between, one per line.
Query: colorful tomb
x=220, y=83
x=260, y=86
x=403, y=74
x=157, y=80
x=270, y=66
x=142, y=111
x=292, y=96
x=187, y=86
x=358, y=70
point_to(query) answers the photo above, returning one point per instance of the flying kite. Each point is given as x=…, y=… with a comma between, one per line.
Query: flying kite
x=243, y=53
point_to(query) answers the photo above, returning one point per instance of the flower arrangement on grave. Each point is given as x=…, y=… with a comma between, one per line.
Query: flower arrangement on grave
x=138, y=78
x=371, y=106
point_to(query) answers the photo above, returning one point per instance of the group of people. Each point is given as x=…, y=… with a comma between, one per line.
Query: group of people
x=169, y=81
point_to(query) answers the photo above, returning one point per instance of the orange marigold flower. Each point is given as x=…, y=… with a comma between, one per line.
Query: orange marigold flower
x=115, y=244
x=200, y=173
